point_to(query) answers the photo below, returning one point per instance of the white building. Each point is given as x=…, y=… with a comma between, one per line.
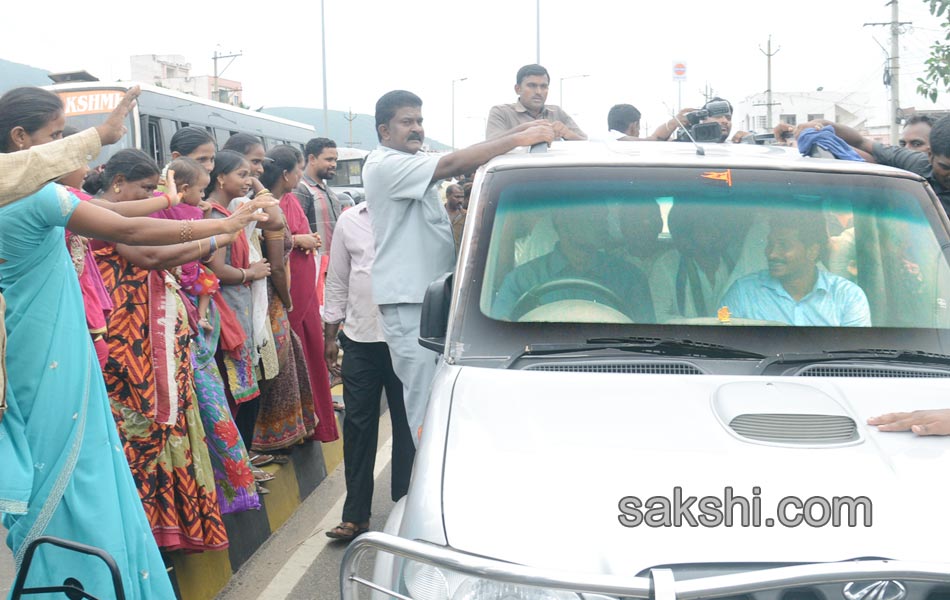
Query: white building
x=173, y=72
x=847, y=108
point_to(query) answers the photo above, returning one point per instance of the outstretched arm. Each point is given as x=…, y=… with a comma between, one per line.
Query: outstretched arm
x=469, y=159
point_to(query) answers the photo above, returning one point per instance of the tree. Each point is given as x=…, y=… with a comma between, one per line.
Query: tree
x=937, y=77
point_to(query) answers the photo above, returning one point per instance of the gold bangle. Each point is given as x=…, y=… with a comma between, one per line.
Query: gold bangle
x=200, y=252
x=243, y=275
x=274, y=235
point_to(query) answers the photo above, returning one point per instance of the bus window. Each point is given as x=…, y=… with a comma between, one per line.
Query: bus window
x=153, y=139
x=222, y=135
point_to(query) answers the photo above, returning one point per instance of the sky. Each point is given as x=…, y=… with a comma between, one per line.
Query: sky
x=598, y=52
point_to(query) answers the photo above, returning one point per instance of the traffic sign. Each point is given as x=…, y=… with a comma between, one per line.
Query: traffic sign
x=679, y=71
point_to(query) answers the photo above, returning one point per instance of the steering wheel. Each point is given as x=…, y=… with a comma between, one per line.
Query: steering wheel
x=531, y=299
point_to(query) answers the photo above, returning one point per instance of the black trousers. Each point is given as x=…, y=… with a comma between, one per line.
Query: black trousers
x=367, y=369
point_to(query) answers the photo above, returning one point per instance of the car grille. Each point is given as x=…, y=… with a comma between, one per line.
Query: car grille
x=796, y=429
x=859, y=371
x=637, y=368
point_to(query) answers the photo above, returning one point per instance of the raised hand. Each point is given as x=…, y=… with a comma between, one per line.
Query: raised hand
x=114, y=127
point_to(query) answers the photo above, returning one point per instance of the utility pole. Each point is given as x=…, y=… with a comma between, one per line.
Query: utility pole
x=892, y=77
x=216, y=57
x=323, y=44
x=537, y=13
x=350, y=117
x=768, y=91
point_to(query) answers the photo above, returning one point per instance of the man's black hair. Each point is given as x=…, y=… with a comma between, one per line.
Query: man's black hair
x=920, y=119
x=316, y=145
x=940, y=138
x=621, y=116
x=390, y=102
x=530, y=71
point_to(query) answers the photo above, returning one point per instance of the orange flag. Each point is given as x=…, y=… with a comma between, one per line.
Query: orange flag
x=720, y=175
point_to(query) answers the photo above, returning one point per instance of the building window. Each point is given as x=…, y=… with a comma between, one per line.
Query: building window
x=760, y=122
x=788, y=119
x=816, y=116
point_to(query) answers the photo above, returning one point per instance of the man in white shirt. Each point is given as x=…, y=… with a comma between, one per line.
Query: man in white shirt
x=414, y=243
x=366, y=370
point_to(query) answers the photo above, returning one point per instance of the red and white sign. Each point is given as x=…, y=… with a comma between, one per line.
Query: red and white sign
x=90, y=102
x=679, y=71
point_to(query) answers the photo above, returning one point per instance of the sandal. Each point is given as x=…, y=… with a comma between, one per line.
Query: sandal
x=281, y=459
x=261, y=490
x=259, y=460
x=261, y=475
x=347, y=531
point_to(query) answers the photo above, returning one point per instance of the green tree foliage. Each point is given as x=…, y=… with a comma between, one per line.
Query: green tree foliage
x=937, y=77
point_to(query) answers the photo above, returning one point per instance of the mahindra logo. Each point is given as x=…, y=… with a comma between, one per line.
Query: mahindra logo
x=878, y=590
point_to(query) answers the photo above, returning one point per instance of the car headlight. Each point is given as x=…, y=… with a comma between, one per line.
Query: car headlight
x=425, y=582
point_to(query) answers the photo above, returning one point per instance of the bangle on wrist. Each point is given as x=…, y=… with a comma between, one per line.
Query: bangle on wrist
x=200, y=253
x=243, y=275
x=214, y=244
x=168, y=198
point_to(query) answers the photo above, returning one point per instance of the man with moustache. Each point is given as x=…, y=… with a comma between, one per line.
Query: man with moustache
x=532, y=83
x=414, y=243
x=794, y=289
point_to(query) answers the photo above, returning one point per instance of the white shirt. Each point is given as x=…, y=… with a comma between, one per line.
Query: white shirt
x=414, y=241
x=349, y=286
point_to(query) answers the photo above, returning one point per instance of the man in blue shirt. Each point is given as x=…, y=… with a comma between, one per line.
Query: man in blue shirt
x=793, y=289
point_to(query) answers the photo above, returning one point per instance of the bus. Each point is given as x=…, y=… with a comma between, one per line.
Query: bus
x=160, y=112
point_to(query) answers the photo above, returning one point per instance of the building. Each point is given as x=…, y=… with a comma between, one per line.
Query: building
x=849, y=108
x=173, y=72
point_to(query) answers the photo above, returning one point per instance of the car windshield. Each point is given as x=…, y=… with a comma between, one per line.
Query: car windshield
x=716, y=248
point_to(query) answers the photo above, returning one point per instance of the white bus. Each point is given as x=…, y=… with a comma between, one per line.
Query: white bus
x=161, y=112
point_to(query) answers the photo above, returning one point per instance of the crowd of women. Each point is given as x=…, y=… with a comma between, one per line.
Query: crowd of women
x=163, y=343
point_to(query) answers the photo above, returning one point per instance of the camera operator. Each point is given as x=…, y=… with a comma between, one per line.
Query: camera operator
x=699, y=123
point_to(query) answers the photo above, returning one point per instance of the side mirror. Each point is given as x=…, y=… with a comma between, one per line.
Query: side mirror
x=435, y=314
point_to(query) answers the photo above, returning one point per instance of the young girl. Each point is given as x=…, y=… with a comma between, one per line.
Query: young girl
x=191, y=179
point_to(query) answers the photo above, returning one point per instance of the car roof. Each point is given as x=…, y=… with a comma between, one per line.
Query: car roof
x=684, y=154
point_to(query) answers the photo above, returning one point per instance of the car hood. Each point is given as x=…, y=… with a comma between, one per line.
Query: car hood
x=536, y=466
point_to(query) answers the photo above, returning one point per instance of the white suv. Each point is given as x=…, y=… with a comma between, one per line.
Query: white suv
x=658, y=364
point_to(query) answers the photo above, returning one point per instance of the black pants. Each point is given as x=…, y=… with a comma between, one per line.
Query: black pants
x=367, y=370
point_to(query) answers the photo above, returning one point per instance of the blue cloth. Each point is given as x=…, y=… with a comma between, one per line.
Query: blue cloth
x=618, y=276
x=833, y=302
x=827, y=139
x=64, y=471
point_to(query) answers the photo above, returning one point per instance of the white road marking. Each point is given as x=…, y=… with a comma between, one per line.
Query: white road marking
x=296, y=566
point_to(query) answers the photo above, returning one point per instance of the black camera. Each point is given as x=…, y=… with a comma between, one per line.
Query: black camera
x=705, y=132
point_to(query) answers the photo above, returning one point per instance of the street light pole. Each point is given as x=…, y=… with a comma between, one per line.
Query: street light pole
x=453, y=109
x=323, y=44
x=561, y=86
x=537, y=13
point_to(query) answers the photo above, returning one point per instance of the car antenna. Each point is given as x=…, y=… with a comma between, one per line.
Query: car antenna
x=699, y=149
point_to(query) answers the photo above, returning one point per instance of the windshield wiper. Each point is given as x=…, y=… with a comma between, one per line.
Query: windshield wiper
x=640, y=345
x=869, y=354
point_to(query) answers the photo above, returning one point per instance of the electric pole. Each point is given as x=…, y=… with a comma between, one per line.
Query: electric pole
x=350, y=117
x=768, y=90
x=892, y=75
x=216, y=57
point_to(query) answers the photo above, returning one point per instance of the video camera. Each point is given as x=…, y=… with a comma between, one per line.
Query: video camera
x=705, y=132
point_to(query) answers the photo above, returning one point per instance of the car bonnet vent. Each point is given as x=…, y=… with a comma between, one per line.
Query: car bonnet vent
x=782, y=413
x=870, y=371
x=631, y=367
x=796, y=429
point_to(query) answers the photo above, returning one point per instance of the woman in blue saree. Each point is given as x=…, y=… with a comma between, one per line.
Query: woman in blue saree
x=63, y=471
